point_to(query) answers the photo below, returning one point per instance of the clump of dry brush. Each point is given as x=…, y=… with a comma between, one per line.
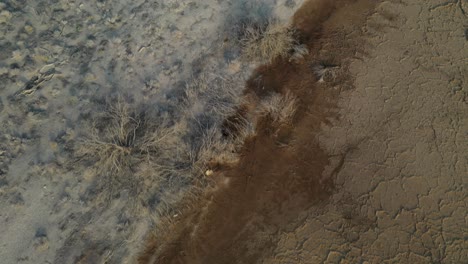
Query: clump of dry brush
x=209, y=102
x=280, y=109
x=139, y=150
x=121, y=139
x=264, y=44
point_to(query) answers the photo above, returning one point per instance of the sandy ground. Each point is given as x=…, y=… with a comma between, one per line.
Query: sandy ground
x=374, y=170
x=58, y=61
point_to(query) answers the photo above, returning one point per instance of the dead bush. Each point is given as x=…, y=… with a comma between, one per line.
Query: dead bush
x=328, y=72
x=209, y=101
x=299, y=52
x=120, y=139
x=266, y=44
x=280, y=108
x=153, y=156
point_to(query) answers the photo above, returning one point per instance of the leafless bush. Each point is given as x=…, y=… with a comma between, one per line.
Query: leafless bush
x=212, y=95
x=299, y=52
x=212, y=147
x=266, y=44
x=244, y=13
x=120, y=139
x=134, y=148
x=209, y=101
x=245, y=129
x=280, y=108
x=326, y=72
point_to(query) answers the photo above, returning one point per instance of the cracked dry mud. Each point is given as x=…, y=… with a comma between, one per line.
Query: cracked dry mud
x=401, y=192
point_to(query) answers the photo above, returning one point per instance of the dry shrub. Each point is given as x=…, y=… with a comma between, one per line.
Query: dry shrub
x=120, y=139
x=152, y=155
x=245, y=129
x=213, y=149
x=266, y=44
x=327, y=72
x=209, y=101
x=225, y=149
x=215, y=96
x=280, y=108
x=299, y=52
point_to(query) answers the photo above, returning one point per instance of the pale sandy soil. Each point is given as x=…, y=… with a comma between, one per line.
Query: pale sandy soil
x=58, y=61
x=401, y=145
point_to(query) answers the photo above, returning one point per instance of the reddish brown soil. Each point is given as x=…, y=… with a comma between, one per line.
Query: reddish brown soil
x=280, y=172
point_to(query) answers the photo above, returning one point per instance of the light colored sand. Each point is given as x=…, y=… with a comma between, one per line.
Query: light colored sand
x=71, y=52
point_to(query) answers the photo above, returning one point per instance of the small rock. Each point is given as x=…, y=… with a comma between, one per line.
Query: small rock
x=5, y=16
x=42, y=244
x=18, y=57
x=28, y=29
x=456, y=85
x=209, y=173
x=456, y=89
x=3, y=70
x=334, y=257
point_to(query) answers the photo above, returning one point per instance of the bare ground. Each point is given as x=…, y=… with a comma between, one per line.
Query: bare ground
x=373, y=169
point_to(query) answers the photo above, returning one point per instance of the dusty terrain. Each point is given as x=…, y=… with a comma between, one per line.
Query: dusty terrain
x=61, y=63
x=373, y=167
x=400, y=192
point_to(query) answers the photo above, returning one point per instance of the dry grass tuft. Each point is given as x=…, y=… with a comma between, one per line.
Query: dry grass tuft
x=213, y=95
x=111, y=144
x=155, y=157
x=120, y=139
x=276, y=40
x=280, y=108
x=213, y=148
x=209, y=101
x=245, y=130
x=299, y=52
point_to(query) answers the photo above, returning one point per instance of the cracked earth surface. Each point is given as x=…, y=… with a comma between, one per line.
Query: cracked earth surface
x=403, y=135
